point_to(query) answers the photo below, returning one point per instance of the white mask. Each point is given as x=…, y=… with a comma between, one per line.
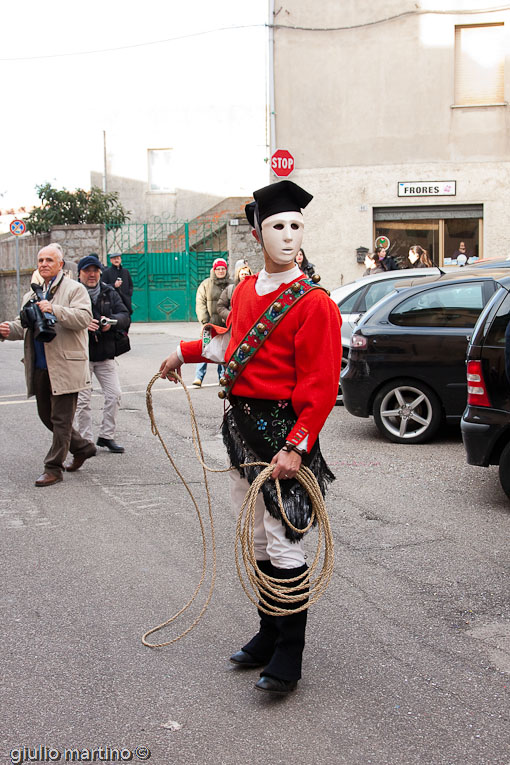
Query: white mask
x=282, y=236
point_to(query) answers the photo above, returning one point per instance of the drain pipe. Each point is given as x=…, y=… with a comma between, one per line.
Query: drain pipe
x=272, y=115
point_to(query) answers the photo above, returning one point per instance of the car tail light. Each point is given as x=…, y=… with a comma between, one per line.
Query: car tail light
x=359, y=342
x=477, y=391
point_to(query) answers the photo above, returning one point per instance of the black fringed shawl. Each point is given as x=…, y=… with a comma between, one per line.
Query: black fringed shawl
x=255, y=430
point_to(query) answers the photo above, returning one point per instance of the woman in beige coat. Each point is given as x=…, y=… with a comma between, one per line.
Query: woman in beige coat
x=207, y=297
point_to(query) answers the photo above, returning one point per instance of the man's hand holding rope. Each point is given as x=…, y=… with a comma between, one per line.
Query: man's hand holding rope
x=286, y=464
x=171, y=364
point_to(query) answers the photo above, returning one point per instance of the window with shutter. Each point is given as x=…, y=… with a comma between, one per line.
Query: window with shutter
x=479, y=65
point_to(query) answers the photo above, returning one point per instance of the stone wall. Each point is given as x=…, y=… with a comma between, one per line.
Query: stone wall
x=144, y=205
x=241, y=244
x=28, y=247
x=76, y=241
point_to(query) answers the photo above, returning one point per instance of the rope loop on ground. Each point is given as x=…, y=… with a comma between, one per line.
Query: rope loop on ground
x=263, y=590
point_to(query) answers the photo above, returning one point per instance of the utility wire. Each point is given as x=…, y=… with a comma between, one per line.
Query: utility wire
x=418, y=12
x=134, y=45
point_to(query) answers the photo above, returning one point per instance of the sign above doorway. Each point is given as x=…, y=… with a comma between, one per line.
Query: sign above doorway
x=427, y=188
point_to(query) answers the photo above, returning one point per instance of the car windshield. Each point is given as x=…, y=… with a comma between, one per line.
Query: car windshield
x=347, y=304
x=457, y=305
x=377, y=291
x=364, y=298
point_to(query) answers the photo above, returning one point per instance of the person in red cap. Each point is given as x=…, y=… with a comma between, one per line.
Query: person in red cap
x=207, y=297
x=281, y=380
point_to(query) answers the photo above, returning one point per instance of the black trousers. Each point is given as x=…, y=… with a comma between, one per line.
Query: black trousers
x=280, y=641
x=57, y=413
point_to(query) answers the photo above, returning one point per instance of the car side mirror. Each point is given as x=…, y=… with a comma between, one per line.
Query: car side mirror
x=358, y=317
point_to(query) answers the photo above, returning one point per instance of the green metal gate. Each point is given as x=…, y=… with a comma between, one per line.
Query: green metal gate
x=167, y=262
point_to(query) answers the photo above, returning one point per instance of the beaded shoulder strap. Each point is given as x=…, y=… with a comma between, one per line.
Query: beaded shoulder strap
x=258, y=334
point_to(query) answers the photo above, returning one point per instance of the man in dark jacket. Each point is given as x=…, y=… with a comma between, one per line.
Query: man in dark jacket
x=120, y=278
x=106, y=305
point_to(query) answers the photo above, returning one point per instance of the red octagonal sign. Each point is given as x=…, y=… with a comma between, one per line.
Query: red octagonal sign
x=282, y=163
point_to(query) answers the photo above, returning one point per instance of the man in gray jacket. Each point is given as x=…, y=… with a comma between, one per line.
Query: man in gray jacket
x=56, y=370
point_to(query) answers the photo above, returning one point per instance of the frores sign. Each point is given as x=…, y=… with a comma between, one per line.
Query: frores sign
x=427, y=188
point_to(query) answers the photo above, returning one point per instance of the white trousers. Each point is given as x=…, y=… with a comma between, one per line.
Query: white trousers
x=107, y=375
x=269, y=534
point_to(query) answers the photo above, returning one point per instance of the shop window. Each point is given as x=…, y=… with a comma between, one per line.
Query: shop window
x=448, y=240
x=160, y=170
x=461, y=245
x=479, y=64
x=405, y=234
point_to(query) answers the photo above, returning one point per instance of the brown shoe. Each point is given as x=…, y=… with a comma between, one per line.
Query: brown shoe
x=78, y=460
x=48, y=479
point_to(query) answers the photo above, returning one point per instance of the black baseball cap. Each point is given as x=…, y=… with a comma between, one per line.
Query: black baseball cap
x=89, y=260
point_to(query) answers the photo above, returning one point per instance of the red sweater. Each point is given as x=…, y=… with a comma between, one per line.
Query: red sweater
x=299, y=361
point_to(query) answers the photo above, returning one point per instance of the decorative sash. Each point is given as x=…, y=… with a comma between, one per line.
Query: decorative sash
x=258, y=334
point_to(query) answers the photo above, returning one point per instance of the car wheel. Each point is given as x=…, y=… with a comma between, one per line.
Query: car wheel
x=504, y=470
x=407, y=412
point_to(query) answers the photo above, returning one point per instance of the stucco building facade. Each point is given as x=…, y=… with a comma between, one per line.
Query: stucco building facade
x=397, y=116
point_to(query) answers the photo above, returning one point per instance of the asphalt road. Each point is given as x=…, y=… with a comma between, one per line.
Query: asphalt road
x=408, y=653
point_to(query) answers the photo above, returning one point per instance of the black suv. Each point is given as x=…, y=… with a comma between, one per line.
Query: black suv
x=407, y=361
x=486, y=421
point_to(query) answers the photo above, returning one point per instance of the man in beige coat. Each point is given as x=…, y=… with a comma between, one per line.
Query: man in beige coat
x=56, y=371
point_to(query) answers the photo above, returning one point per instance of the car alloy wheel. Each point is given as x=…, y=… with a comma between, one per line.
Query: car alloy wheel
x=407, y=412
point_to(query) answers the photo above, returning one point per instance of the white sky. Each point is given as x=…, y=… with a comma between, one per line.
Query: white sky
x=201, y=95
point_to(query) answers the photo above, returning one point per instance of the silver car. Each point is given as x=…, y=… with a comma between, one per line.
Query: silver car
x=354, y=300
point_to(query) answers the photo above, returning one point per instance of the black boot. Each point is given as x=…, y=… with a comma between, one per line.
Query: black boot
x=261, y=646
x=285, y=664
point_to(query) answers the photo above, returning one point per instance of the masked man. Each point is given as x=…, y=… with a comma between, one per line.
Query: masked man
x=281, y=379
x=56, y=370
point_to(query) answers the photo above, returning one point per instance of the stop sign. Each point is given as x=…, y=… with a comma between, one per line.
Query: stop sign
x=282, y=163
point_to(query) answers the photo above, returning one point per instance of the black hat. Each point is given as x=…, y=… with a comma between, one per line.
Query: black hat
x=89, y=260
x=284, y=196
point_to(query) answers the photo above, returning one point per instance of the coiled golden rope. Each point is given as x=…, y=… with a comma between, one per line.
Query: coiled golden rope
x=263, y=590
